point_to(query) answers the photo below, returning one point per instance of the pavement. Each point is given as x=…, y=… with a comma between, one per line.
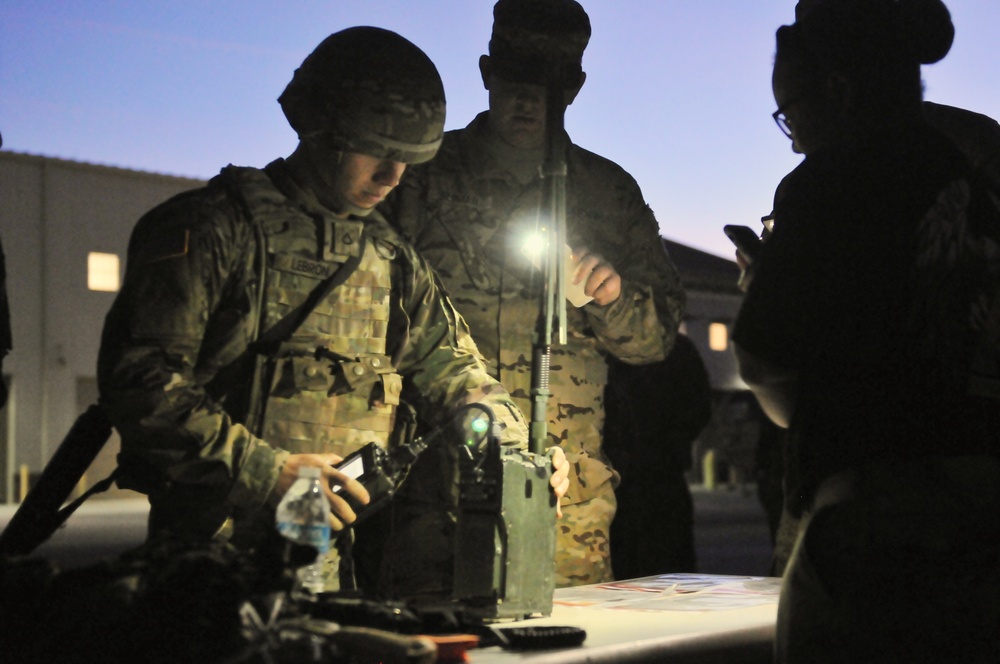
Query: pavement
x=731, y=535
x=98, y=530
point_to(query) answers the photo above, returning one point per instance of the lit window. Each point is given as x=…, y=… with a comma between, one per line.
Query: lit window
x=103, y=272
x=718, y=336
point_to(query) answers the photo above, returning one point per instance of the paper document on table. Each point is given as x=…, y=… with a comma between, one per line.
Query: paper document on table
x=675, y=592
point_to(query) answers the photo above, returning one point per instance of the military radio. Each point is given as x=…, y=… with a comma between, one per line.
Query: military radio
x=506, y=531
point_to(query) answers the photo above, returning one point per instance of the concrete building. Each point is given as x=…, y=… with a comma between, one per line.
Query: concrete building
x=712, y=303
x=65, y=227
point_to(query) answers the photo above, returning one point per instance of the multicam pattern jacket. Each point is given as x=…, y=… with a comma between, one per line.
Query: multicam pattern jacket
x=176, y=366
x=468, y=213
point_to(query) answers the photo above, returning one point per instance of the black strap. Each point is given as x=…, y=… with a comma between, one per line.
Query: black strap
x=60, y=518
x=40, y=515
x=281, y=331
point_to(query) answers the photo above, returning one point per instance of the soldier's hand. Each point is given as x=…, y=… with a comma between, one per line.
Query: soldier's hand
x=600, y=279
x=560, y=476
x=341, y=513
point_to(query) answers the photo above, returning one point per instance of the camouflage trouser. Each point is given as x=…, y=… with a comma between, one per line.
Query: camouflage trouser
x=583, y=552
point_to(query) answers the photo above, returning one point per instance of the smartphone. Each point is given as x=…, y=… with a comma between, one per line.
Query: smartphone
x=746, y=240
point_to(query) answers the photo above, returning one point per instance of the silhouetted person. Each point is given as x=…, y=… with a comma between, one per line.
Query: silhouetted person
x=871, y=330
x=769, y=471
x=654, y=414
x=975, y=134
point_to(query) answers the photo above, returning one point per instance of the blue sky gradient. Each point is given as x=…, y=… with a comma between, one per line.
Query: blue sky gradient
x=678, y=91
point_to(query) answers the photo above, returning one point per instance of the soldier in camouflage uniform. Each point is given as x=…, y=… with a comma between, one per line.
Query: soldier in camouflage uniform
x=216, y=410
x=468, y=213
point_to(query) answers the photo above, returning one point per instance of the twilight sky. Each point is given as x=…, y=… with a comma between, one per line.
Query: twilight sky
x=678, y=91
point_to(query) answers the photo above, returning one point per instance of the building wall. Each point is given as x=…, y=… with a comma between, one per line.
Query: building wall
x=53, y=213
x=705, y=308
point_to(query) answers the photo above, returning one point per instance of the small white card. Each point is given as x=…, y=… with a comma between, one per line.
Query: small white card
x=574, y=292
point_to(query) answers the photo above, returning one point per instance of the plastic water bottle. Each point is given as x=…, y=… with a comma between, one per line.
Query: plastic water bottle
x=302, y=517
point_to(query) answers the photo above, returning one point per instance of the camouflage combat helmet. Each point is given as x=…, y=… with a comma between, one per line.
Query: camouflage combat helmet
x=530, y=36
x=371, y=91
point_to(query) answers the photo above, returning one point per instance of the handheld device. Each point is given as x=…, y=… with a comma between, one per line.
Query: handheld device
x=376, y=471
x=747, y=242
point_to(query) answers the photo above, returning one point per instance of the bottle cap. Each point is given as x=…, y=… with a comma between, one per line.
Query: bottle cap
x=310, y=472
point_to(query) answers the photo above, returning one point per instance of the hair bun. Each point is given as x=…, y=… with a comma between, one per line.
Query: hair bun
x=928, y=27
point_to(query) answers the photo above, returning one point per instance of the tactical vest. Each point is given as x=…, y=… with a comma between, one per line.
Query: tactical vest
x=329, y=387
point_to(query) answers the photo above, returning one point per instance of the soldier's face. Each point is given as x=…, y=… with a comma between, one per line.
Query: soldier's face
x=517, y=112
x=366, y=180
x=362, y=181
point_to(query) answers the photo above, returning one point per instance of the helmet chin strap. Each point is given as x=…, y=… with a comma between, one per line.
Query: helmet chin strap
x=353, y=210
x=316, y=180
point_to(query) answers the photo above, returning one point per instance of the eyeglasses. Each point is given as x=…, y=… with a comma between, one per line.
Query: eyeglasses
x=779, y=117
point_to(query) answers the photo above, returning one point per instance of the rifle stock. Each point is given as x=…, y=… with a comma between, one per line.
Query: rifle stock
x=40, y=514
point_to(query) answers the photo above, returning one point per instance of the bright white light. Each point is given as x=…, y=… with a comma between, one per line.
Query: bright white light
x=533, y=245
x=103, y=272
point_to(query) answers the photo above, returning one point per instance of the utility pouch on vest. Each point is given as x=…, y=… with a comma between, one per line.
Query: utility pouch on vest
x=362, y=374
x=301, y=374
x=385, y=386
x=371, y=375
x=364, y=371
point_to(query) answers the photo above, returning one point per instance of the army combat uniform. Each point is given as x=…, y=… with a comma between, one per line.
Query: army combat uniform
x=207, y=414
x=469, y=212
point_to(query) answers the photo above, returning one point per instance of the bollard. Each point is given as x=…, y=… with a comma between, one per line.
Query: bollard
x=22, y=489
x=708, y=470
